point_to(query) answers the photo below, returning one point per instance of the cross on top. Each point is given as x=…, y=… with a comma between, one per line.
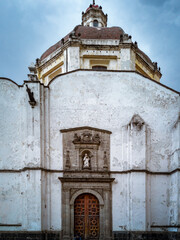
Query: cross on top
x=93, y=2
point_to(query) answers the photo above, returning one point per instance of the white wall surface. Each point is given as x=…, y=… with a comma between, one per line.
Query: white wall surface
x=31, y=141
x=108, y=101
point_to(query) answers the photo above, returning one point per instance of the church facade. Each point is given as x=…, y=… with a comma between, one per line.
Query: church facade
x=90, y=142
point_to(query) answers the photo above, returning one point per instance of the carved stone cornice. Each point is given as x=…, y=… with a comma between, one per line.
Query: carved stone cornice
x=75, y=180
x=87, y=138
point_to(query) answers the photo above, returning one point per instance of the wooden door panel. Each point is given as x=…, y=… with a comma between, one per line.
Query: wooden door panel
x=86, y=216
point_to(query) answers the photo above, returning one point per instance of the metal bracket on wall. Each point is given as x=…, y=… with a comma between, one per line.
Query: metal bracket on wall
x=32, y=100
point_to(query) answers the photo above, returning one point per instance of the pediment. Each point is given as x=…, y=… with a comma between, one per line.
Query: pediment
x=84, y=128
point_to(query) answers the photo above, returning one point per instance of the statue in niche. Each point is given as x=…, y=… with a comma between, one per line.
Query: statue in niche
x=86, y=161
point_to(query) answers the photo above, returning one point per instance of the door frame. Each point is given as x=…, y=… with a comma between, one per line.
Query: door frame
x=101, y=208
x=86, y=197
x=100, y=188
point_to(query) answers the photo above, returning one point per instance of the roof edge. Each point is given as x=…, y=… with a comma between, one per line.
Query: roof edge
x=115, y=71
x=10, y=80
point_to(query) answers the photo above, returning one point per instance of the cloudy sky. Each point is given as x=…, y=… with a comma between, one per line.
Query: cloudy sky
x=29, y=27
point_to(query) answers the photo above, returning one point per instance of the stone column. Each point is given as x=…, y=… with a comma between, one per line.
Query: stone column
x=66, y=214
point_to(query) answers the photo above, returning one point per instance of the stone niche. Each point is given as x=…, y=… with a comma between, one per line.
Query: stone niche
x=86, y=149
x=86, y=165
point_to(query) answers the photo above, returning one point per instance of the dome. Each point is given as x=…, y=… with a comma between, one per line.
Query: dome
x=84, y=32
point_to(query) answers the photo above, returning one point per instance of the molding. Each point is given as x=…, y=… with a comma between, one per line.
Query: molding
x=165, y=226
x=109, y=172
x=95, y=193
x=100, y=57
x=30, y=169
x=145, y=171
x=84, y=128
x=84, y=179
x=10, y=225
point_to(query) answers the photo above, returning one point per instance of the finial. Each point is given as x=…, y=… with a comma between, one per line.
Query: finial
x=93, y=2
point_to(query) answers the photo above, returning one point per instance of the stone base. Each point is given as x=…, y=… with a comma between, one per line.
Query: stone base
x=146, y=235
x=30, y=235
x=116, y=236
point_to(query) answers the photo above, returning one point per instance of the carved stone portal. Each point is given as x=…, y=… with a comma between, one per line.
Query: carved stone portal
x=86, y=164
x=86, y=149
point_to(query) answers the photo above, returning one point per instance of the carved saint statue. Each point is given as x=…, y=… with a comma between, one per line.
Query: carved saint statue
x=86, y=161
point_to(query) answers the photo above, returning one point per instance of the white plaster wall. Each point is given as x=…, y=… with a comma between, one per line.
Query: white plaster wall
x=11, y=200
x=127, y=59
x=175, y=155
x=129, y=202
x=10, y=125
x=108, y=101
x=73, y=58
x=174, y=193
x=20, y=201
x=159, y=200
x=120, y=199
x=103, y=100
x=32, y=200
x=21, y=143
x=56, y=220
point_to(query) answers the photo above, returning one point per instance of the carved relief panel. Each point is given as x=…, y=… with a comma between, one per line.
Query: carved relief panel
x=86, y=149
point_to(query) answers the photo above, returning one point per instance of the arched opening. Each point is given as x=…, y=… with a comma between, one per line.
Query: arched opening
x=86, y=157
x=99, y=67
x=86, y=216
x=95, y=23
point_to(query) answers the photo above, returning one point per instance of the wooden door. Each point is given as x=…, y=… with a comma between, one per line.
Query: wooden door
x=86, y=217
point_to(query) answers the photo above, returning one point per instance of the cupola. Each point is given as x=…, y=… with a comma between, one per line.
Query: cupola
x=94, y=16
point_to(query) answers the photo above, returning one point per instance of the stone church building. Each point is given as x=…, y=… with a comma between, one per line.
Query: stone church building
x=90, y=142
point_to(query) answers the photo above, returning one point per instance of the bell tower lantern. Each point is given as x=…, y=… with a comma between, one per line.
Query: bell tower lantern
x=94, y=16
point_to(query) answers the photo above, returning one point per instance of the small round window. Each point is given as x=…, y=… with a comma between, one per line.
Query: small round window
x=95, y=23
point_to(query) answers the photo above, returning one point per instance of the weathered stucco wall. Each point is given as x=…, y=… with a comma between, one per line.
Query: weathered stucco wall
x=109, y=101
x=142, y=117
x=20, y=188
x=10, y=125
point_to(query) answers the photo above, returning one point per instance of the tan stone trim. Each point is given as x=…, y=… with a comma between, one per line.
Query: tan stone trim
x=83, y=179
x=84, y=128
x=76, y=194
x=100, y=57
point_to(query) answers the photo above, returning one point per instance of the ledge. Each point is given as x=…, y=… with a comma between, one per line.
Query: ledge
x=78, y=171
x=10, y=225
x=73, y=179
x=84, y=128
